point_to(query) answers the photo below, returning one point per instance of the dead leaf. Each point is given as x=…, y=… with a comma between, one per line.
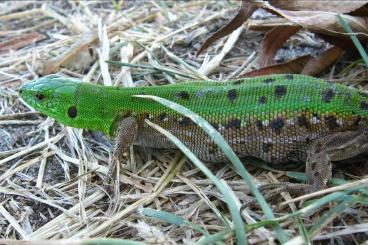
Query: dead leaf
x=363, y=11
x=267, y=24
x=289, y=67
x=321, y=21
x=341, y=42
x=21, y=41
x=45, y=67
x=324, y=5
x=273, y=41
x=245, y=11
x=317, y=65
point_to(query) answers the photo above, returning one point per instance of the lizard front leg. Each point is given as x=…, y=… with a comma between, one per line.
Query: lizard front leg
x=335, y=147
x=125, y=134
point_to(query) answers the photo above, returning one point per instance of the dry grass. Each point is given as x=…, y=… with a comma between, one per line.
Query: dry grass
x=52, y=176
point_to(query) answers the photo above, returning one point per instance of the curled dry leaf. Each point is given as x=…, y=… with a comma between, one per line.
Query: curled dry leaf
x=322, y=61
x=291, y=66
x=273, y=41
x=45, y=67
x=245, y=11
x=324, y=5
x=321, y=21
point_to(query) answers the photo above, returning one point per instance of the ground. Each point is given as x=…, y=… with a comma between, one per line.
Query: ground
x=52, y=176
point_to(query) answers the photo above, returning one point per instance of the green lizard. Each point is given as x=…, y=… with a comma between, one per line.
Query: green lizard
x=276, y=118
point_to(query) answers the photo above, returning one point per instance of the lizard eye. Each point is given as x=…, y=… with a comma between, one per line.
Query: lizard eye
x=39, y=96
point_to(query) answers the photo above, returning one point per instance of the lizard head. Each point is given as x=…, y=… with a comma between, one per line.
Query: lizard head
x=53, y=96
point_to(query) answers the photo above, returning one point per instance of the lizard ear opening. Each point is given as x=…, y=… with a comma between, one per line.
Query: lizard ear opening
x=72, y=111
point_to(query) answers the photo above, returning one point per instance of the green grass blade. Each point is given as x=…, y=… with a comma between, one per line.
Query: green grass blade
x=318, y=203
x=222, y=235
x=328, y=216
x=235, y=214
x=353, y=37
x=171, y=218
x=221, y=142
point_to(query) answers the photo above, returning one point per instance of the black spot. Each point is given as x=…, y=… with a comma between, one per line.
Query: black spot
x=364, y=94
x=316, y=174
x=86, y=70
x=162, y=116
x=269, y=80
x=313, y=166
x=316, y=115
x=308, y=140
x=185, y=121
x=231, y=94
x=146, y=115
x=215, y=125
x=289, y=76
x=331, y=122
x=127, y=114
x=72, y=111
x=348, y=98
x=90, y=51
x=364, y=105
x=238, y=82
x=357, y=121
x=234, y=123
x=280, y=91
x=318, y=148
x=328, y=95
x=266, y=147
x=39, y=96
x=212, y=149
x=262, y=100
x=183, y=95
x=277, y=125
x=259, y=124
x=303, y=121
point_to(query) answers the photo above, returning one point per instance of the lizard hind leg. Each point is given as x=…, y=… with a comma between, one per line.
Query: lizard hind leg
x=335, y=147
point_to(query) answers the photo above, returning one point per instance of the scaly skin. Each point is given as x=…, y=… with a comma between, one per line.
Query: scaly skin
x=274, y=118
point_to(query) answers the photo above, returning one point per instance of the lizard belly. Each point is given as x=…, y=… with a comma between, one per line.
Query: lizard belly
x=288, y=144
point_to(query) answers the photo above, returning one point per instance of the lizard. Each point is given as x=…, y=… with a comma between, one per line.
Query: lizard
x=275, y=118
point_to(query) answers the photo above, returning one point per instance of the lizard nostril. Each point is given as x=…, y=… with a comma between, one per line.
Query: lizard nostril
x=40, y=96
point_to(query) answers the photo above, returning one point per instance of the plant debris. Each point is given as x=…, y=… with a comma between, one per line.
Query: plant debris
x=52, y=176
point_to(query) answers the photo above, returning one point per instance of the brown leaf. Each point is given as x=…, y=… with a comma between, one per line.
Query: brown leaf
x=45, y=67
x=320, y=21
x=324, y=5
x=273, y=41
x=341, y=42
x=327, y=58
x=289, y=67
x=363, y=11
x=245, y=11
x=21, y=41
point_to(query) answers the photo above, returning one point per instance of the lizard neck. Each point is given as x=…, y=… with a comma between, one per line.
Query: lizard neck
x=100, y=106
